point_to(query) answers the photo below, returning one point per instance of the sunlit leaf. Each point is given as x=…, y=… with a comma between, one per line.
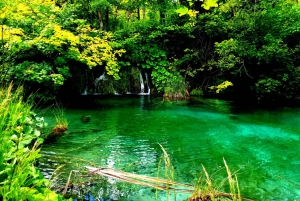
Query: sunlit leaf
x=210, y=3
x=182, y=11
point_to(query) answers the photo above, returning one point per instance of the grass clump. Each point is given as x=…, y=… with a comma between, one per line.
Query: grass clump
x=60, y=119
x=19, y=150
x=205, y=190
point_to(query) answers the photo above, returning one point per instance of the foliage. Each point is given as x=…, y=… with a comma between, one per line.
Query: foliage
x=154, y=54
x=20, y=138
x=197, y=92
x=195, y=44
x=40, y=75
x=221, y=87
x=42, y=49
x=97, y=50
x=207, y=4
x=257, y=46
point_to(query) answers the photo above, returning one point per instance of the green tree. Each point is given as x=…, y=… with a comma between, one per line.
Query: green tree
x=256, y=48
x=42, y=48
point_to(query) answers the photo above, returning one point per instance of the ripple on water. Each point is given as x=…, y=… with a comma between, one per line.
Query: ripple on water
x=262, y=144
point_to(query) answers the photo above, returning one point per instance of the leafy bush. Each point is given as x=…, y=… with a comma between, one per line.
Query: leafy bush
x=19, y=137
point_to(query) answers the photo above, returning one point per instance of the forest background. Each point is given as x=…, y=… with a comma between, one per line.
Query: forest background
x=60, y=49
x=227, y=48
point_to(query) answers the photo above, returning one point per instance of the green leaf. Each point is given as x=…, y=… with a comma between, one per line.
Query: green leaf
x=182, y=11
x=210, y=3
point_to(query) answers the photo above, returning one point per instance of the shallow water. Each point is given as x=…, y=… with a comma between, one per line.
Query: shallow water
x=124, y=132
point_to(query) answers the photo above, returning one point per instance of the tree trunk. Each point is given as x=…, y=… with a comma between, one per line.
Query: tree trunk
x=138, y=13
x=162, y=16
x=144, y=12
x=100, y=20
x=114, y=26
x=107, y=19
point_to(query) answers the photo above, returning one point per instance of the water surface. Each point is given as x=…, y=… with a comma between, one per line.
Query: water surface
x=124, y=133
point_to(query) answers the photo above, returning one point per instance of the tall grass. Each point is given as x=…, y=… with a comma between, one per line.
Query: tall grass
x=168, y=172
x=60, y=119
x=233, y=184
x=205, y=189
x=19, y=150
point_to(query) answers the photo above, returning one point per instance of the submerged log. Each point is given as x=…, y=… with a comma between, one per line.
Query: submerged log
x=157, y=183
x=160, y=184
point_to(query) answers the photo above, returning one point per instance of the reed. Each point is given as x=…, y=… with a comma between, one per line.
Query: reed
x=168, y=172
x=60, y=119
x=203, y=190
x=233, y=184
x=206, y=190
x=200, y=192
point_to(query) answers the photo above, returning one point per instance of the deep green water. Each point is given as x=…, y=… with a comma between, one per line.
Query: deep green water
x=124, y=131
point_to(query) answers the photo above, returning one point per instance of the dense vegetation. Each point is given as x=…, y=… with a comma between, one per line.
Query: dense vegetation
x=226, y=47
x=57, y=48
x=20, y=138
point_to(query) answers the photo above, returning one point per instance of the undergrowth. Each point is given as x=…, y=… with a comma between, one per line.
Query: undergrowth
x=19, y=150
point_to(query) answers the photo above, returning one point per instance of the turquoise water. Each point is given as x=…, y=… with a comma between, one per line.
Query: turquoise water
x=124, y=132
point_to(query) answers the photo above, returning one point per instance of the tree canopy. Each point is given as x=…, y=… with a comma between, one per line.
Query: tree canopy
x=211, y=47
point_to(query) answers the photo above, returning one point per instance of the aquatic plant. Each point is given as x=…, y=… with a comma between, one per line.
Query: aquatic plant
x=207, y=191
x=60, y=119
x=169, y=170
x=203, y=190
x=233, y=184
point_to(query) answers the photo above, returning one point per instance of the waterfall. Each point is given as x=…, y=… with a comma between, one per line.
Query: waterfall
x=86, y=84
x=142, y=84
x=97, y=80
x=102, y=77
x=85, y=92
x=148, y=84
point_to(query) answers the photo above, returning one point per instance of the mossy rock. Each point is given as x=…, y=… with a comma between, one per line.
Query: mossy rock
x=57, y=132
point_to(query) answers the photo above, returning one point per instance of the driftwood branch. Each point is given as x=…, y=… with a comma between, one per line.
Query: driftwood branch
x=153, y=182
x=158, y=183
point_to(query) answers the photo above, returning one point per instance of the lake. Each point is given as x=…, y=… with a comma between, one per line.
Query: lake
x=124, y=132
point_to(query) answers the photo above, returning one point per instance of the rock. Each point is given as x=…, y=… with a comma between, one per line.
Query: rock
x=86, y=118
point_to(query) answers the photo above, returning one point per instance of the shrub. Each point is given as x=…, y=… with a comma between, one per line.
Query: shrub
x=19, y=142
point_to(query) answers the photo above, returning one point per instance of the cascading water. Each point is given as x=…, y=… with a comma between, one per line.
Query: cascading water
x=97, y=80
x=86, y=85
x=147, y=80
x=142, y=84
x=102, y=77
x=98, y=86
x=85, y=92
